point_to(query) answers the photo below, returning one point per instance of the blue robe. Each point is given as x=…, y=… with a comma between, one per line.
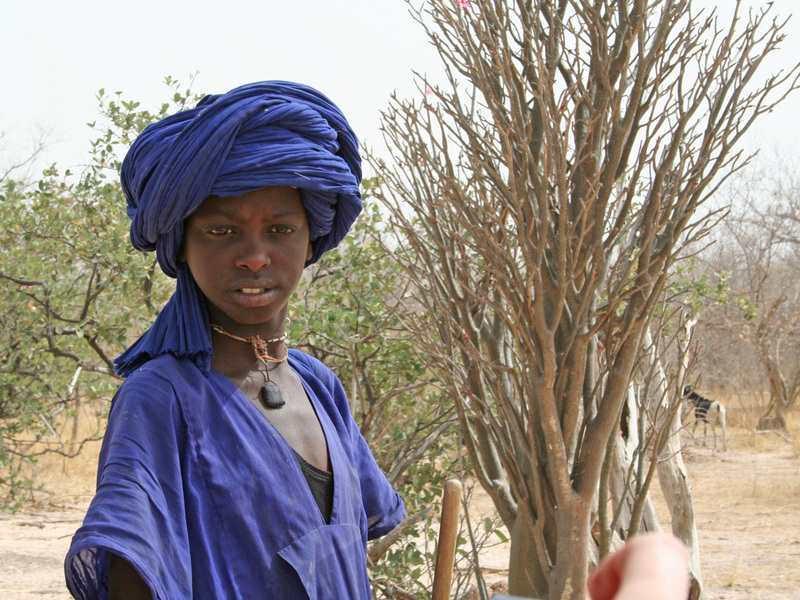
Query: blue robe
x=202, y=495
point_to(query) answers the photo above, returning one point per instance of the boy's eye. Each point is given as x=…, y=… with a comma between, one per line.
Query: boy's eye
x=224, y=230
x=220, y=230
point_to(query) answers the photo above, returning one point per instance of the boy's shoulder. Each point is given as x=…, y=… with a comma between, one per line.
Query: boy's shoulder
x=320, y=378
x=313, y=365
x=162, y=377
x=164, y=366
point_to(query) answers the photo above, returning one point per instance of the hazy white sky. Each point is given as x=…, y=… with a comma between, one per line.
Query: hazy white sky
x=56, y=55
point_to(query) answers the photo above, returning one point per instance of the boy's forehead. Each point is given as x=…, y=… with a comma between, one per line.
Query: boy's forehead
x=275, y=200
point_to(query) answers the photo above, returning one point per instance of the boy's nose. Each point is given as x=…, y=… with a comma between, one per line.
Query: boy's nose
x=254, y=256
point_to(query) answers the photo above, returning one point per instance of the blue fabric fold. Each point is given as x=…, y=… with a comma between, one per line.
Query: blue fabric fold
x=181, y=329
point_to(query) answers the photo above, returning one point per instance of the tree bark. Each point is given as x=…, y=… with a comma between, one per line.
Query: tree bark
x=677, y=492
x=672, y=475
x=533, y=581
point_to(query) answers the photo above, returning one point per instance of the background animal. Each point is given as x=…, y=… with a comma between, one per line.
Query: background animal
x=710, y=412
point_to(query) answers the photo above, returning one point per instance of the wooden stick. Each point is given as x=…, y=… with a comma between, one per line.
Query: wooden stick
x=448, y=536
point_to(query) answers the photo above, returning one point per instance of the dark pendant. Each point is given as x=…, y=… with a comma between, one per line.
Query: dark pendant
x=271, y=395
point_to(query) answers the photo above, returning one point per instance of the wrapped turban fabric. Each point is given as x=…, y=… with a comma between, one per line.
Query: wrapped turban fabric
x=257, y=135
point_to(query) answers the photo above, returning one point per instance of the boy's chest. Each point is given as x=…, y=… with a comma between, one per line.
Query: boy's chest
x=296, y=421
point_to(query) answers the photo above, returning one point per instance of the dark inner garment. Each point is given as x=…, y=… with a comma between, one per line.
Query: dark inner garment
x=321, y=484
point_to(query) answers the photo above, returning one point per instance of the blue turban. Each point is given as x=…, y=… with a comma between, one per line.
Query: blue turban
x=257, y=135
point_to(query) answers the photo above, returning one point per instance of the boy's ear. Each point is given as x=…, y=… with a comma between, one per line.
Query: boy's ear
x=309, y=252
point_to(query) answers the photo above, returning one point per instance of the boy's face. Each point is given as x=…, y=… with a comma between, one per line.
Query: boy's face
x=247, y=254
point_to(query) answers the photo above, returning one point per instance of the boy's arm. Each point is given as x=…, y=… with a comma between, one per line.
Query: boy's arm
x=124, y=582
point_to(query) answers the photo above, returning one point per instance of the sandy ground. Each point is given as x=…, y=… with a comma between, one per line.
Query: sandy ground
x=747, y=502
x=747, y=506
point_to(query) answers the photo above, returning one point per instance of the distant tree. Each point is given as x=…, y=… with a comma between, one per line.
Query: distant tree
x=759, y=249
x=542, y=195
x=16, y=167
x=72, y=292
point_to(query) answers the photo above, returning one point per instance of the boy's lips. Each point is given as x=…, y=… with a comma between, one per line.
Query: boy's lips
x=254, y=295
x=253, y=287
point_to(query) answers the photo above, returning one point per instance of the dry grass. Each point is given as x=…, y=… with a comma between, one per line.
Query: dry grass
x=63, y=479
x=747, y=503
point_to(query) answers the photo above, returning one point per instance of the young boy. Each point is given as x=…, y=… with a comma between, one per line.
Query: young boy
x=231, y=466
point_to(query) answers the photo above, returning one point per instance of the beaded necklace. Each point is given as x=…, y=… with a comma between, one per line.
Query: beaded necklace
x=271, y=395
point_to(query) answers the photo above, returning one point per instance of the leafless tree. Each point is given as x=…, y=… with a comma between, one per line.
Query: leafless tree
x=759, y=249
x=19, y=168
x=541, y=196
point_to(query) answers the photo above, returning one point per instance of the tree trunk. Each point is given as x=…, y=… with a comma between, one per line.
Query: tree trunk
x=571, y=573
x=569, y=535
x=530, y=582
x=678, y=495
x=773, y=417
x=672, y=475
x=649, y=520
x=664, y=413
